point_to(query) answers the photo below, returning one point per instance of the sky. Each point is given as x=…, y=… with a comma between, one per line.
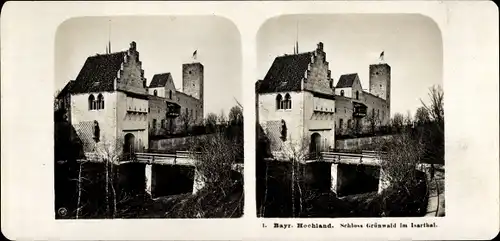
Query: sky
x=411, y=43
x=164, y=44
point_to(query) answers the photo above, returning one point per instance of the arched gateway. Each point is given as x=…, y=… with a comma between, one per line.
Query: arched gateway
x=129, y=145
x=315, y=146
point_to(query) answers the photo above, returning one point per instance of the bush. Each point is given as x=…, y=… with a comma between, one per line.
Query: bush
x=210, y=203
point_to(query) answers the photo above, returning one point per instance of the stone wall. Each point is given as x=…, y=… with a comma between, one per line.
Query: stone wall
x=270, y=118
x=318, y=77
x=192, y=80
x=380, y=81
x=377, y=107
x=343, y=111
x=358, y=143
x=190, y=105
x=82, y=118
x=158, y=122
x=131, y=75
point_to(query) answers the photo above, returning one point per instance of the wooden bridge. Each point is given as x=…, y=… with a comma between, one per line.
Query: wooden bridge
x=183, y=158
x=370, y=158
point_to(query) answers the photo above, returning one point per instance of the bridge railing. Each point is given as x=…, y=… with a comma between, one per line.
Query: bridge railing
x=179, y=158
x=346, y=158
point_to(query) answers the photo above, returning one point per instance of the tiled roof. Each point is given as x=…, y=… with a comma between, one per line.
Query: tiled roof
x=66, y=90
x=286, y=73
x=98, y=73
x=346, y=80
x=257, y=85
x=159, y=80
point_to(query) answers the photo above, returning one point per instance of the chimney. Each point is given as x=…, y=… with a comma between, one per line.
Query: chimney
x=320, y=46
x=133, y=46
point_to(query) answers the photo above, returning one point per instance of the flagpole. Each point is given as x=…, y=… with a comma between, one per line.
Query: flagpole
x=109, y=35
x=297, y=38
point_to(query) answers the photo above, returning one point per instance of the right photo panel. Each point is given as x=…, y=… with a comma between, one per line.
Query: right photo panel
x=349, y=116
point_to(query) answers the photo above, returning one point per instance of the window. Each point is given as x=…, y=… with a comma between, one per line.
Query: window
x=154, y=124
x=288, y=102
x=341, y=123
x=357, y=95
x=283, y=103
x=349, y=123
x=163, y=123
x=283, y=130
x=100, y=102
x=91, y=102
x=187, y=111
x=96, y=104
x=342, y=93
x=278, y=101
x=155, y=92
x=97, y=131
x=170, y=94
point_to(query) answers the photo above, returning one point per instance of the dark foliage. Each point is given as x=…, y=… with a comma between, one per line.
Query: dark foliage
x=67, y=145
x=210, y=203
x=93, y=203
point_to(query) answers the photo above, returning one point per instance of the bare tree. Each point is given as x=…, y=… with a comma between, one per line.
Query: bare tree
x=222, y=121
x=79, y=188
x=397, y=121
x=401, y=155
x=373, y=120
x=215, y=160
x=187, y=121
x=211, y=122
x=297, y=151
x=111, y=152
x=216, y=157
x=408, y=121
x=434, y=132
x=436, y=107
x=422, y=116
x=236, y=115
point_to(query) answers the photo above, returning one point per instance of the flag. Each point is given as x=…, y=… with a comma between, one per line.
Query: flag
x=381, y=58
x=195, y=53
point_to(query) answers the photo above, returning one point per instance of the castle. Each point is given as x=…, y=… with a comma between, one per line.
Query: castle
x=299, y=107
x=110, y=104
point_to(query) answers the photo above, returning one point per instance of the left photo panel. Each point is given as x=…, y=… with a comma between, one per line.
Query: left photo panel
x=147, y=118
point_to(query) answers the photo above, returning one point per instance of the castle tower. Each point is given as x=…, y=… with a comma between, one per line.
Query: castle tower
x=192, y=80
x=192, y=83
x=380, y=82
